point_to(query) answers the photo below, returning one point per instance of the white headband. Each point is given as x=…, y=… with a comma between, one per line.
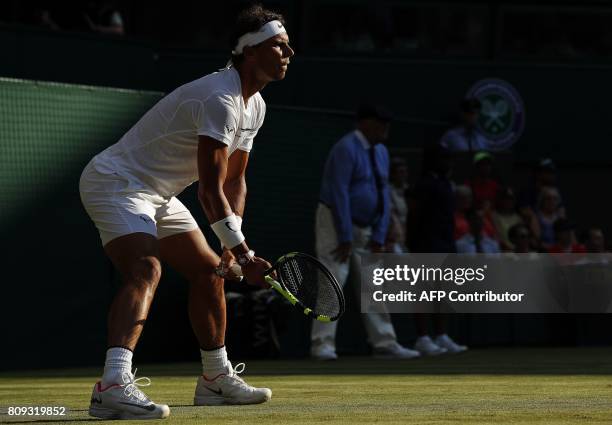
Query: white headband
x=269, y=30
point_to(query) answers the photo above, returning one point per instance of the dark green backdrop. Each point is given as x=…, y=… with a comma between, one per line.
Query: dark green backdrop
x=57, y=284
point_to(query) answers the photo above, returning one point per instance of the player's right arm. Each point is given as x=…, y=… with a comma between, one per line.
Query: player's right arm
x=212, y=171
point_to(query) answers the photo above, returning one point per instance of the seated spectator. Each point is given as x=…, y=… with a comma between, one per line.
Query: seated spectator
x=43, y=17
x=504, y=217
x=484, y=186
x=595, y=244
x=463, y=203
x=476, y=241
x=548, y=213
x=565, y=240
x=544, y=175
x=466, y=137
x=520, y=238
x=595, y=241
x=104, y=17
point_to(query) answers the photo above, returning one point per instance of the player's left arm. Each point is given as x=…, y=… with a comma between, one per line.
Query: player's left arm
x=235, y=187
x=235, y=190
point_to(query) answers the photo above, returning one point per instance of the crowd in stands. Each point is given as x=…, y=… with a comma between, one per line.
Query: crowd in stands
x=426, y=29
x=488, y=215
x=99, y=16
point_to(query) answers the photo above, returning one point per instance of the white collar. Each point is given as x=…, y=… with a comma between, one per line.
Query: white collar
x=362, y=139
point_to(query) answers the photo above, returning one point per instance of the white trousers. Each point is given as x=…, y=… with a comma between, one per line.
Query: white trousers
x=378, y=325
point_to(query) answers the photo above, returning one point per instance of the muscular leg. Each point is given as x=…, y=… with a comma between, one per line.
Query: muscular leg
x=189, y=254
x=136, y=257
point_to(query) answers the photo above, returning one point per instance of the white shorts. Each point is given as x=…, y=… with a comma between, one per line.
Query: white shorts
x=120, y=206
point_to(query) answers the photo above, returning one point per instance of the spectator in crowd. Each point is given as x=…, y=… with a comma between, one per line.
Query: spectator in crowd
x=520, y=238
x=104, y=17
x=352, y=220
x=398, y=179
x=42, y=16
x=595, y=241
x=483, y=184
x=504, y=217
x=544, y=175
x=548, y=213
x=430, y=229
x=463, y=202
x=565, y=239
x=476, y=240
x=466, y=137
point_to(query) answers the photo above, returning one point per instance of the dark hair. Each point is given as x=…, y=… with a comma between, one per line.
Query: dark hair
x=249, y=20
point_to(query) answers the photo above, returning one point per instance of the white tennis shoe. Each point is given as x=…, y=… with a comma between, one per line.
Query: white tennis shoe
x=125, y=401
x=427, y=347
x=323, y=352
x=228, y=388
x=395, y=351
x=451, y=346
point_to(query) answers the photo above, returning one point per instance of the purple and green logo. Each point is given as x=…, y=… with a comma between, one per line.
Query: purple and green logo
x=502, y=114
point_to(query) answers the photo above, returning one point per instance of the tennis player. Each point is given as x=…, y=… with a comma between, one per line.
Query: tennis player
x=203, y=131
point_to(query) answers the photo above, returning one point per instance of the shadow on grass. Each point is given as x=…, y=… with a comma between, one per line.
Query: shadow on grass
x=514, y=361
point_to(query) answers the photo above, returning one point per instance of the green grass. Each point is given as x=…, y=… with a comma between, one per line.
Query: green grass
x=526, y=386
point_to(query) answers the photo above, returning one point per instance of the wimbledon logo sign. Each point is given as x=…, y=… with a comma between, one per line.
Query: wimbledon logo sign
x=502, y=115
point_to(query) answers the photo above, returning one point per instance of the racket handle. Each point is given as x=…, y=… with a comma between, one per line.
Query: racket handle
x=237, y=270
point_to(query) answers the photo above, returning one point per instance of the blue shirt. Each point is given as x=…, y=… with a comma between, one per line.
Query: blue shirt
x=349, y=187
x=458, y=140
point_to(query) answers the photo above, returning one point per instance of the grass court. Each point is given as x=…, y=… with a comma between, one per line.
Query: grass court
x=517, y=386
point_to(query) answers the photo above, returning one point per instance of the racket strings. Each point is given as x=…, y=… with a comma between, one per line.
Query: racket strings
x=311, y=285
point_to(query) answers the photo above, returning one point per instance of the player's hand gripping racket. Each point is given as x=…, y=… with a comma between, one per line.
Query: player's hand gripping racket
x=307, y=284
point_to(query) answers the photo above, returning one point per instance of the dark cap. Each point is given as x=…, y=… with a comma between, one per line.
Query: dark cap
x=546, y=164
x=471, y=104
x=379, y=112
x=481, y=156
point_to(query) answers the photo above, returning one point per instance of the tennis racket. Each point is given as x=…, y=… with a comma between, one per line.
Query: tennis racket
x=307, y=284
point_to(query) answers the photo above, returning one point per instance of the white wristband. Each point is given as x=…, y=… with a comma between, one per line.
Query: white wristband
x=239, y=221
x=228, y=231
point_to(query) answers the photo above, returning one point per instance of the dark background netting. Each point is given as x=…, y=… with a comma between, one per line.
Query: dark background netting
x=58, y=284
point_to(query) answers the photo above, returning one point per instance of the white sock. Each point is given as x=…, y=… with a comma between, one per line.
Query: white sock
x=118, y=361
x=214, y=361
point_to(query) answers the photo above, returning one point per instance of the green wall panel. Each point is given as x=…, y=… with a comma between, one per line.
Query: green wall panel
x=49, y=131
